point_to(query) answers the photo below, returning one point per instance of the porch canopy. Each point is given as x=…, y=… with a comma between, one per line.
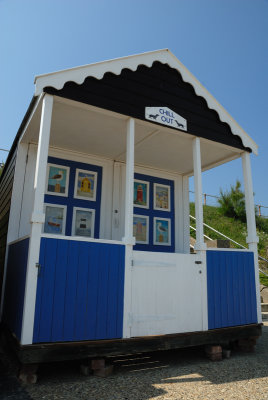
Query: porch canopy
x=92, y=104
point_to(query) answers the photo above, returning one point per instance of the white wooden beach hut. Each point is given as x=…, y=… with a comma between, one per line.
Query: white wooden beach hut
x=95, y=245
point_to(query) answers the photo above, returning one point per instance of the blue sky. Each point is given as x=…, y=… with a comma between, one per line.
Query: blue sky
x=224, y=43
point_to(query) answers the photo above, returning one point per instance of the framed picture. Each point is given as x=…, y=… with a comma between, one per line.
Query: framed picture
x=85, y=187
x=161, y=197
x=57, y=180
x=141, y=228
x=83, y=222
x=141, y=194
x=162, y=231
x=55, y=219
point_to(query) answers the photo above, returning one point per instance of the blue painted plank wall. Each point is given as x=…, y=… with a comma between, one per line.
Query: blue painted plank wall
x=80, y=291
x=15, y=285
x=231, y=289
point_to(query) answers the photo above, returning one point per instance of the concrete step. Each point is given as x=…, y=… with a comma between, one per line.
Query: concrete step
x=264, y=316
x=264, y=307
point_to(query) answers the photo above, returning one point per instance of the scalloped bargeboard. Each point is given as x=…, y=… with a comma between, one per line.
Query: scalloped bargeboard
x=160, y=85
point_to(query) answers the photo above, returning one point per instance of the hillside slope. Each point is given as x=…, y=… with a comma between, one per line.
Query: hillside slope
x=234, y=229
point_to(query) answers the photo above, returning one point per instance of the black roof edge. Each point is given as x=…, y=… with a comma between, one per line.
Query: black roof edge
x=18, y=135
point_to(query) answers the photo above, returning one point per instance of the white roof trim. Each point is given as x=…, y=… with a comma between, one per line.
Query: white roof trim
x=58, y=79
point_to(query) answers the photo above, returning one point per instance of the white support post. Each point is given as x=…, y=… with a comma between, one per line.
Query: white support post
x=199, y=244
x=252, y=238
x=186, y=215
x=37, y=220
x=129, y=239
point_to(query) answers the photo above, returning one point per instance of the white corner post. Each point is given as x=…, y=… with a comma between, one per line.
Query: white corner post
x=252, y=238
x=128, y=239
x=199, y=244
x=37, y=220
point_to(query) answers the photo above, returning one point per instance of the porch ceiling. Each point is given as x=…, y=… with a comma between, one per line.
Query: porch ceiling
x=85, y=129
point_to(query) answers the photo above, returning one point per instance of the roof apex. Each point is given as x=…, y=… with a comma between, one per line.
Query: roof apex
x=78, y=74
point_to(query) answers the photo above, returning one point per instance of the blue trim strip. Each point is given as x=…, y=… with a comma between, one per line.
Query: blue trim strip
x=156, y=213
x=80, y=291
x=231, y=289
x=70, y=201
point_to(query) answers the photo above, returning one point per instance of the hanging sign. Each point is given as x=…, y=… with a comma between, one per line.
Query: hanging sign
x=165, y=116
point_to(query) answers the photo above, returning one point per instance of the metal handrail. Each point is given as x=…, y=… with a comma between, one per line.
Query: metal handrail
x=231, y=240
x=207, y=237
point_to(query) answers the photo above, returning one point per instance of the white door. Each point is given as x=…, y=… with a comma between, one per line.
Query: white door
x=168, y=294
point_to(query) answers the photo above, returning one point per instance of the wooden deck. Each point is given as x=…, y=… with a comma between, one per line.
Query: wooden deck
x=49, y=352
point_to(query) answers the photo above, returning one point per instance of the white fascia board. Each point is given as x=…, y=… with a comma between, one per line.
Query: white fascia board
x=58, y=79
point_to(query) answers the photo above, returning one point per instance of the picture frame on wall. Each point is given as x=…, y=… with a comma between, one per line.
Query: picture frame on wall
x=141, y=194
x=141, y=228
x=55, y=219
x=83, y=222
x=162, y=231
x=57, y=180
x=161, y=197
x=85, y=187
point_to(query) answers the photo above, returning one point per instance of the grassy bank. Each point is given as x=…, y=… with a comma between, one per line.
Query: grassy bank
x=234, y=229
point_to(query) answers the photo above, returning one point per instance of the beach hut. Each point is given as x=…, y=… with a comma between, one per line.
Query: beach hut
x=95, y=243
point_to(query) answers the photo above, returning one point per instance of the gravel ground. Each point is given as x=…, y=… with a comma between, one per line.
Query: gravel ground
x=180, y=374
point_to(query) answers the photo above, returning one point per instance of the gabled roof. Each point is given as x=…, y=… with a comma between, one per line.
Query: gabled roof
x=78, y=75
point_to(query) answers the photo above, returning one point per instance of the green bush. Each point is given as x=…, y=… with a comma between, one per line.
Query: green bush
x=262, y=224
x=232, y=203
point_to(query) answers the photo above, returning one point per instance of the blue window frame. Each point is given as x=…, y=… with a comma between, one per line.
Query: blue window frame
x=72, y=202
x=153, y=214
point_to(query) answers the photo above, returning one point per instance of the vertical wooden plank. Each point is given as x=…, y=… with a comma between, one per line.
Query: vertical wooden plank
x=113, y=280
x=231, y=295
x=81, y=290
x=70, y=292
x=217, y=291
x=48, y=271
x=92, y=292
x=223, y=258
x=59, y=291
x=120, y=291
x=241, y=287
x=102, y=293
x=237, y=308
x=39, y=292
x=17, y=258
x=250, y=288
x=246, y=286
x=210, y=285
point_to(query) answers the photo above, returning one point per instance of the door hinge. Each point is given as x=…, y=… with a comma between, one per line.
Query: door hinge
x=38, y=266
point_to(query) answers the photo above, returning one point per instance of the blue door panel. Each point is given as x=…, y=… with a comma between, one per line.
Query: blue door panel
x=80, y=291
x=231, y=289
